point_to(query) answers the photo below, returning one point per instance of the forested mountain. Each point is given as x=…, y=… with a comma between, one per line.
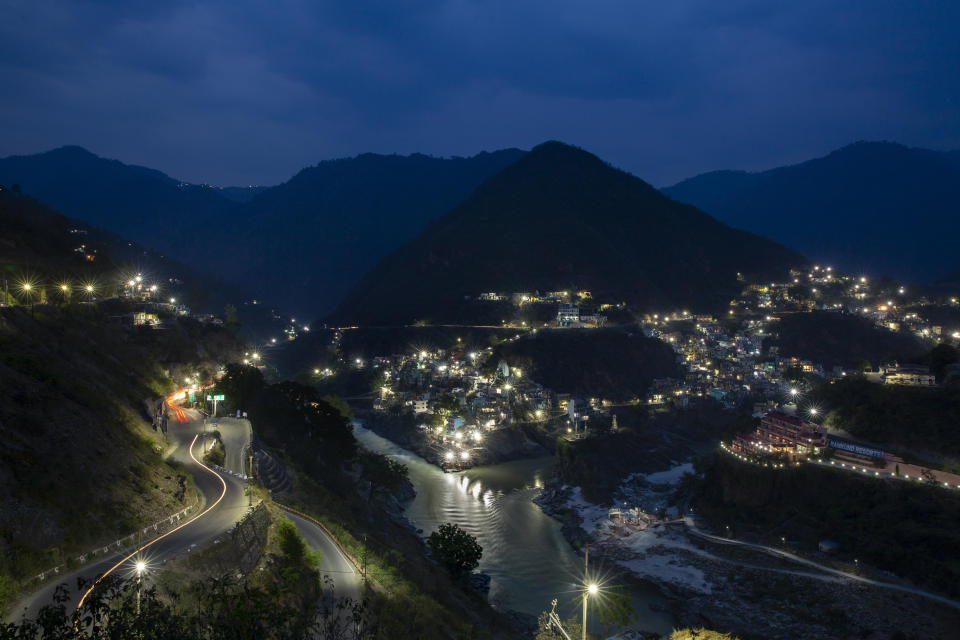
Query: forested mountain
x=307, y=241
x=301, y=244
x=876, y=207
x=558, y=218
x=41, y=244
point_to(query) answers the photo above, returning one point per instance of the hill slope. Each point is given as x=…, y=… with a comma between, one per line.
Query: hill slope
x=320, y=230
x=41, y=244
x=139, y=203
x=877, y=207
x=324, y=228
x=561, y=217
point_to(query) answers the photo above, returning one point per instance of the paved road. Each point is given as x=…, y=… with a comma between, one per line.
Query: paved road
x=810, y=563
x=224, y=505
x=334, y=565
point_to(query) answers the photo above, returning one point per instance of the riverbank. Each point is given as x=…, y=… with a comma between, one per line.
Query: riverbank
x=524, y=552
x=762, y=596
x=497, y=446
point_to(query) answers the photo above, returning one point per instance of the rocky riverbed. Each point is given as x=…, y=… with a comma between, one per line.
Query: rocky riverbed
x=738, y=590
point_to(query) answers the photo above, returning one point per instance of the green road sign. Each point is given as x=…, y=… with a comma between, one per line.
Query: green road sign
x=210, y=398
x=218, y=398
x=192, y=397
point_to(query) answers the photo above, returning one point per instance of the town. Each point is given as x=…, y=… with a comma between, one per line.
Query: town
x=460, y=396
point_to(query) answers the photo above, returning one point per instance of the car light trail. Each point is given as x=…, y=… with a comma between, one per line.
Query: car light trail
x=223, y=493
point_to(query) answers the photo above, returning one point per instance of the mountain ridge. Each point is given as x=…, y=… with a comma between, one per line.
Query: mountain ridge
x=558, y=217
x=318, y=231
x=828, y=207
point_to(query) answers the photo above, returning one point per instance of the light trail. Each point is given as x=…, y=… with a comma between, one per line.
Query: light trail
x=159, y=538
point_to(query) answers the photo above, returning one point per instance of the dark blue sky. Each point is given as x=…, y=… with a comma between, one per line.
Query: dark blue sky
x=239, y=92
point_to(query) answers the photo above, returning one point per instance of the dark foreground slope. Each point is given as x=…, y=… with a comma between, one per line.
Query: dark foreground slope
x=79, y=465
x=872, y=206
x=559, y=218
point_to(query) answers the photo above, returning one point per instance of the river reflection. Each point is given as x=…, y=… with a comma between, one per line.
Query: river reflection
x=527, y=558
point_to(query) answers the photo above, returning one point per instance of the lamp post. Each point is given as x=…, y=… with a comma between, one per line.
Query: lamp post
x=589, y=589
x=141, y=567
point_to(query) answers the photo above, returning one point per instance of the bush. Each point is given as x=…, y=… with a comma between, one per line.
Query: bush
x=455, y=549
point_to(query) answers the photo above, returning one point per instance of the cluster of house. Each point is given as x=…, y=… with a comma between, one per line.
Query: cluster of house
x=571, y=309
x=459, y=399
x=729, y=365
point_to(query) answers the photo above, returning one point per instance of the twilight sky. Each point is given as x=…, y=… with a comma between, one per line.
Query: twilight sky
x=248, y=92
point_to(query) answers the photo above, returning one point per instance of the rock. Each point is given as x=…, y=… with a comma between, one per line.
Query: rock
x=525, y=623
x=480, y=582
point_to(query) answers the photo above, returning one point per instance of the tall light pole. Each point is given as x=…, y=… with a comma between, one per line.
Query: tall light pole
x=141, y=566
x=589, y=589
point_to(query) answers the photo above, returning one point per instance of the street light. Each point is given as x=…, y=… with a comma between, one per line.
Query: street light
x=590, y=589
x=141, y=566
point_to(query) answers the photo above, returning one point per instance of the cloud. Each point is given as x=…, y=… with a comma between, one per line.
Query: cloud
x=249, y=92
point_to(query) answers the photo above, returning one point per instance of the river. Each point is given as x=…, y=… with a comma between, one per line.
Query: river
x=524, y=553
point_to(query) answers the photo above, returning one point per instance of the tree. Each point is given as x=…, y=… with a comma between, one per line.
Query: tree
x=940, y=356
x=614, y=609
x=382, y=472
x=455, y=549
x=240, y=384
x=292, y=546
x=862, y=365
x=546, y=631
x=230, y=319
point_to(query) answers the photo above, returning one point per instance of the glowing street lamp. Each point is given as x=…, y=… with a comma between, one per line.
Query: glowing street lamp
x=141, y=566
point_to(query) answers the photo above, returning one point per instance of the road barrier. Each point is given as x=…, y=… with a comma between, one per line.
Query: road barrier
x=329, y=533
x=145, y=535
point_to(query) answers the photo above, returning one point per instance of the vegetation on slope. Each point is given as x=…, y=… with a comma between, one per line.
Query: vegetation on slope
x=560, y=218
x=829, y=207
x=333, y=483
x=79, y=464
x=836, y=339
x=898, y=417
x=599, y=363
x=908, y=528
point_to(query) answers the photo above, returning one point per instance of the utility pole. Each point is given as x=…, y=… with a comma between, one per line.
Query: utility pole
x=586, y=589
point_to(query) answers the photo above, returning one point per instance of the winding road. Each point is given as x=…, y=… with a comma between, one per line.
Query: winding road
x=692, y=528
x=224, y=503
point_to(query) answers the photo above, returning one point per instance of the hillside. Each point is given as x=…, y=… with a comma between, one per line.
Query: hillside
x=835, y=339
x=604, y=363
x=868, y=207
x=40, y=244
x=136, y=202
x=560, y=218
x=80, y=465
x=319, y=231
x=304, y=243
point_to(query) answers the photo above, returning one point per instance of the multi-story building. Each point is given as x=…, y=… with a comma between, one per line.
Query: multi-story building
x=782, y=433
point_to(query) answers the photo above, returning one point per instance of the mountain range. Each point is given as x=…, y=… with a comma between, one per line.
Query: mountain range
x=561, y=218
x=880, y=208
x=300, y=245
x=873, y=207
